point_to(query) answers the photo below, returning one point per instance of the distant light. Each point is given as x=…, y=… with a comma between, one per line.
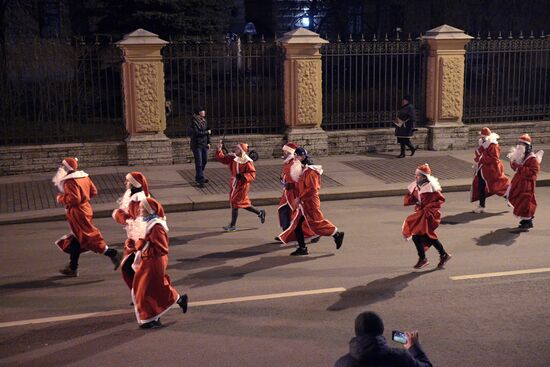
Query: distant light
x=305, y=21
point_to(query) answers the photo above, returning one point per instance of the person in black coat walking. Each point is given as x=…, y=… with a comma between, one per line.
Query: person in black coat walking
x=405, y=126
x=370, y=349
x=200, y=144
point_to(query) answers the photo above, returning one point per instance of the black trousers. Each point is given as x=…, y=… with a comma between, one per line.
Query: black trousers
x=74, y=254
x=419, y=241
x=299, y=233
x=481, y=189
x=405, y=142
x=127, y=267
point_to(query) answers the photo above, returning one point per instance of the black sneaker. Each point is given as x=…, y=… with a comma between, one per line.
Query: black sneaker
x=421, y=263
x=414, y=150
x=68, y=272
x=316, y=239
x=525, y=224
x=300, y=251
x=277, y=239
x=200, y=185
x=339, y=239
x=116, y=260
x=206, y=180
x=443, y=260
x=151, y=325
x=183, y=302
x=262, y=216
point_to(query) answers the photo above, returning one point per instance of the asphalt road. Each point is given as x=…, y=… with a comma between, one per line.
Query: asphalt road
x=493, y=321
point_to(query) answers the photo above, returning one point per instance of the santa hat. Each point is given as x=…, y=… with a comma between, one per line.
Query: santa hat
x=485, y=132
x=525, y=138
x=424, y=169
x=137, y=179
x=70, y=163
x=243, y=147
x=290, y=147
x=153, y=207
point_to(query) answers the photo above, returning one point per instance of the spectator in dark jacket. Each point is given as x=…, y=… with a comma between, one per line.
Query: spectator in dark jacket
x=370, y=349
x=200, y=143
x=404, y=126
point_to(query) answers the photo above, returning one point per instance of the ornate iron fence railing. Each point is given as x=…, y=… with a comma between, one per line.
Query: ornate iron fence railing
x=507, y=79
x=60, y=92
x=239, y=85
x=364, y=81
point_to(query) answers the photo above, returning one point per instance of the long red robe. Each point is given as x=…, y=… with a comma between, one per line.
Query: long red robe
x=290, y=192
x=122, y=216
x=487, y=157
x=521, y=194
x=427, y=215
x=152, y=292
x=315, y=224
x=78, y=189
x=238, y=188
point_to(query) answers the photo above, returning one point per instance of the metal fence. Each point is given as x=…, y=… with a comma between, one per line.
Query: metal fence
x=364, y=81
x=239, y=85
x=507, y=79
x=59, y=92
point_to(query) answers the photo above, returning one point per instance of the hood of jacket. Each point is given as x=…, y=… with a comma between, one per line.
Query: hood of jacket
x=368, y=348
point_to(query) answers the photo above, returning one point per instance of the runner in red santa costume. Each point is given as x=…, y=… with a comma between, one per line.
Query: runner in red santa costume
x=128, y=215
x=152, y=292
x=425, y=194
x=489, y=178
x=75, y=191
x=521, y=193
x=243, y=173
x=289, y=190
x=307, y=218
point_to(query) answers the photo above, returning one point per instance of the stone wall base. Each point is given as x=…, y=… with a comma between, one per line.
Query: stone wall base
x=42, y=158
x=149, y=149
x=370, y=140
x=315, y=140
x=511, y=131
x=448, y=137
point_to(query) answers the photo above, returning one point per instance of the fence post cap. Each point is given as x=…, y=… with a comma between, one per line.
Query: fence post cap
x=141, y=37
x=446, y=31
x=301, y=36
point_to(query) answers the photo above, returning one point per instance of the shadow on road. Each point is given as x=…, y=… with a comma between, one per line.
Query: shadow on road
x=219, y=258
x=182, y=240
x=228, y=273
x=51, y=282
x=375, y=291
x=502, y=236
x=467, y=217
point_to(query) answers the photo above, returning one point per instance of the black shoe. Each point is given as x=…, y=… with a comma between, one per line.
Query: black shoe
x=402, y=155
x=183, y=302
x=300, y=251
x=413, y=150
x=151, y=325
x=525, y=224
x=316, y=239
x=339, y=239
x=200, y=185
x=116, y=260
x=205, y=180
x=278, y=239
x=68, y=272
x=262, y=216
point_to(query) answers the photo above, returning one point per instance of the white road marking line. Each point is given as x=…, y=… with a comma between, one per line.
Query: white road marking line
x=191, y=304
x=501, y=274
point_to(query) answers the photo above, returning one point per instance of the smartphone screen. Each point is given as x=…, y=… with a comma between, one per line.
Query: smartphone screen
x=399, y=336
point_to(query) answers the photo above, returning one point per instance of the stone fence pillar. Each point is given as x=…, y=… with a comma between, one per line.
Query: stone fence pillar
x=144, y=103
x=445, y=88
x=303, y=90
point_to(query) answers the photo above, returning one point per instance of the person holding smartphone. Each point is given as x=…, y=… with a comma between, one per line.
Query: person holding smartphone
x=200, y=144
x=370, y=348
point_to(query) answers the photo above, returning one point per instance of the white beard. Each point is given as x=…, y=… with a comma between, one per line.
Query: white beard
x=59, y=175
x=480, y=142
x=135, y=229
x=517, y=154
x=296, y=170
x=124, y=201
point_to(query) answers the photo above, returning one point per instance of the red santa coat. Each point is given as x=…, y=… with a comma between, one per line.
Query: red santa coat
x=427, y=215
x=487, y=158
x=152, y=292
x=521, y=194
x=78, y=189
x=238, y=188
x=290, y=192
x=122, y=216
x=315, y=224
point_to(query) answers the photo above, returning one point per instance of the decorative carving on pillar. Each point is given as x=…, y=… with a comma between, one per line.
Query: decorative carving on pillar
x=148, y=115
x=452, y=86
x=309, y=92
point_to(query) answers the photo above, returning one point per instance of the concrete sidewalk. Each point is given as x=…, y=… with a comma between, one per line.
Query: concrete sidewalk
x=31, y=198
